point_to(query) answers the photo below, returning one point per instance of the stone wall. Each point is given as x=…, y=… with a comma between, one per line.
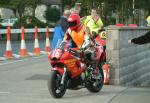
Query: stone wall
x=130, y=63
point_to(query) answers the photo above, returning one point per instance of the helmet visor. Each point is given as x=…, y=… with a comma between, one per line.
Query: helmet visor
x=72, y=24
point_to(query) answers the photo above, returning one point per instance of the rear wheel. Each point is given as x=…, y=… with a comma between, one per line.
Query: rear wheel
x=95, y=85
x=56, y=89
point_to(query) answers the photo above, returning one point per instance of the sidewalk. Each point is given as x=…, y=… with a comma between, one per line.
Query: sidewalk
x=118, y=94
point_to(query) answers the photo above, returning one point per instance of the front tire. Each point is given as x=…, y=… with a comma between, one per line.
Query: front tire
x=56, y=89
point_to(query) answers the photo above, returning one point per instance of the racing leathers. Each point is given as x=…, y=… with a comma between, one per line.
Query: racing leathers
x=82, y=40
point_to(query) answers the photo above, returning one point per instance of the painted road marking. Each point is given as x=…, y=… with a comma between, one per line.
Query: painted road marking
x=4, y=92
x=15, y=61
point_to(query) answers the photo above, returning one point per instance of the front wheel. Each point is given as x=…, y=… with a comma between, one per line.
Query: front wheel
x=95, y=85
x=56, y=89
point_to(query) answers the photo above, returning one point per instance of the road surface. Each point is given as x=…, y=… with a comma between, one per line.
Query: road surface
x=25, y=81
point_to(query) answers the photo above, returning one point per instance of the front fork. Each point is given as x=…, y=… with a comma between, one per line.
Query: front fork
x=64, y=75
x=62, y=72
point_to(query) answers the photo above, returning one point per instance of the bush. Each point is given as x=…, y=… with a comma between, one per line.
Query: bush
x=29, y=22
x=52, y=14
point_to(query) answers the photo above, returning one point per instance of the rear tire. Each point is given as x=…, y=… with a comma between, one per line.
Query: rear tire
x=56, y=89
x=96, y=85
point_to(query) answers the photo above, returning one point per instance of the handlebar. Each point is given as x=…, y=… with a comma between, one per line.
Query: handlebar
x=75, y=53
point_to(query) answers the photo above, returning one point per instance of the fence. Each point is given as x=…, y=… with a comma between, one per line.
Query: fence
x=23, y=34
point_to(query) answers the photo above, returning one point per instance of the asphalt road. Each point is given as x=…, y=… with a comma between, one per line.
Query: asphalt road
x=25, y=81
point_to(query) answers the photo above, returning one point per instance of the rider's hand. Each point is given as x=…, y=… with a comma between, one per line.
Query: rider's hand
x=63, y=45
x=82, y=49
x=129, y=41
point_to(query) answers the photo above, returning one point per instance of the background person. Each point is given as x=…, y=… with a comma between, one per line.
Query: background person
x=148, y=21
x=76, y=9
x=93, y=21
x=144, y=39
x=60, y=28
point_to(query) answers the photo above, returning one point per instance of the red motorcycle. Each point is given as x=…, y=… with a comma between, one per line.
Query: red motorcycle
x=70, y=69
x=102, y=43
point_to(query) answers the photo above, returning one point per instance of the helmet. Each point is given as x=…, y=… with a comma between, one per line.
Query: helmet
x=103, y=35
x=74, y=21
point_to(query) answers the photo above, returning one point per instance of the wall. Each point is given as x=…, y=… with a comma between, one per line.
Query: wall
x=130, y=63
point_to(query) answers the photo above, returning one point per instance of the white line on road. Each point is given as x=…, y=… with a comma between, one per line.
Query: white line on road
x=12, y=62
x=20, y=60
x=4, y=92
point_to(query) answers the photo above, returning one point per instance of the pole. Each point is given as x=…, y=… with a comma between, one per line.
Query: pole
x=133, y=12
x=133, y=7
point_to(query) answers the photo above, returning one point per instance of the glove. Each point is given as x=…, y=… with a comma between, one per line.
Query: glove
x=63, y=45
x=87, y=43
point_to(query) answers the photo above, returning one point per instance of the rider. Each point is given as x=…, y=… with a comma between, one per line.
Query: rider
x=80, y=35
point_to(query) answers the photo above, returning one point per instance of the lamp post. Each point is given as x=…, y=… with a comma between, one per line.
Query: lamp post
x=133, y=7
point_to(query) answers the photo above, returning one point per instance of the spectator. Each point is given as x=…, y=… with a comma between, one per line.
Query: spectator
x=73, y=11
x=148, y=21
x=76, y=9
x=93, y=21
x=144, y=39
x=60, y=28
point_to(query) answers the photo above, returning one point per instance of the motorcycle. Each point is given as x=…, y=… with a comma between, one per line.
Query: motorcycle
x=70, y=69
x=102, y=43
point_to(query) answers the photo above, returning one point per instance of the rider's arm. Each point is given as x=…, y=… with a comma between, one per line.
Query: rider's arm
x=144, y=39
x=67, y=35
x=65, y=40
x=87, y=39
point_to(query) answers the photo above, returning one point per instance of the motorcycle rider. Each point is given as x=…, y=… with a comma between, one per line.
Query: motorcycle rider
x=80, y=35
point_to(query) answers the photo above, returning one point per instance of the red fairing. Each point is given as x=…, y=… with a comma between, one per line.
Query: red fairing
x=99, y=51
x=56, y=54
x=101, y=41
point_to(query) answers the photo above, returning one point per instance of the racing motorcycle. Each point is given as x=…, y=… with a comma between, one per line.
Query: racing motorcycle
x=70, y=69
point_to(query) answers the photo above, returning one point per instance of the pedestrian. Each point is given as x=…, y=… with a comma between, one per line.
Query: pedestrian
x=76, y=9
x=93, y=21
x=144, y=39
x=148, y=21
x=60, y=28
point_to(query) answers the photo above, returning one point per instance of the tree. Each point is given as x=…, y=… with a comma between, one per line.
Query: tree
x=143, y=4
x=52, y=14
x=15, y=5
x=33, y=4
